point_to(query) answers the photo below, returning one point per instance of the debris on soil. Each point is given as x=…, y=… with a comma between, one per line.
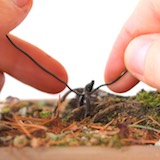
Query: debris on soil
x=114, y=121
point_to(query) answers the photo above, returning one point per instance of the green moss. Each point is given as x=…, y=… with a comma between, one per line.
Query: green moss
x=5, y=110
x=45, y=114
x=151, y=99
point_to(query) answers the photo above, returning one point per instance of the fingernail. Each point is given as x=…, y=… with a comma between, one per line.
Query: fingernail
x=20, y=3
x=136, y=53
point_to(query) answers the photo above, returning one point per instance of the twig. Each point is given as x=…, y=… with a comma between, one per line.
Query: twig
x=145, y=127
x=141, y=120
x=22, y=127
x=154, y=120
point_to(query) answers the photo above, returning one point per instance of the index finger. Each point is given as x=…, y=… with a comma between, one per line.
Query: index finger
x=21, y=67
x=144, y=20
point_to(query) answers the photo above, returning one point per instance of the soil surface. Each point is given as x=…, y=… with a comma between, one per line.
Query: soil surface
x=100, y=123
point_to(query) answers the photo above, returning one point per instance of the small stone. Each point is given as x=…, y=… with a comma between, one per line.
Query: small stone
x=157, y=143
x=23, y=111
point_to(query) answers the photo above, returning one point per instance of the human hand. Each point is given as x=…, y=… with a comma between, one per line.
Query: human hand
x=13, y=62
x=137, y=49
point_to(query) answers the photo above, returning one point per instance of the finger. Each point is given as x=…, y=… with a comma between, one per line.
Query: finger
x=145, y=19
x=22, y=68
x=2, y=80
x=12, y=12
x=145, y=51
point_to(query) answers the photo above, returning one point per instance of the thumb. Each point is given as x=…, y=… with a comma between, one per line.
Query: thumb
x=12, y=12
x=142, y=59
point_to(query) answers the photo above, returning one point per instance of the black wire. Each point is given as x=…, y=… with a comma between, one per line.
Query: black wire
x=40, y=66
x=56, y=77
x=109, y=83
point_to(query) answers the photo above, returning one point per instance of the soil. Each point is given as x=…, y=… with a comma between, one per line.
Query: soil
x=113, y=124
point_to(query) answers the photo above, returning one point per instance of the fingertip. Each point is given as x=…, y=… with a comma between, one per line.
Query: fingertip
x=56, y=85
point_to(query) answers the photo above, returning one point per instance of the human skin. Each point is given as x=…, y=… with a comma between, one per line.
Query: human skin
x=137, y=49
x=12, y=13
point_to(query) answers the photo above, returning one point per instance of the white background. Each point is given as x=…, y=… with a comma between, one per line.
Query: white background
x=78, y=33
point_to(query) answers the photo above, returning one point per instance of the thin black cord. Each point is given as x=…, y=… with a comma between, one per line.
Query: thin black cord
x=56, y=77
x=40, y=66
x=109, y=83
